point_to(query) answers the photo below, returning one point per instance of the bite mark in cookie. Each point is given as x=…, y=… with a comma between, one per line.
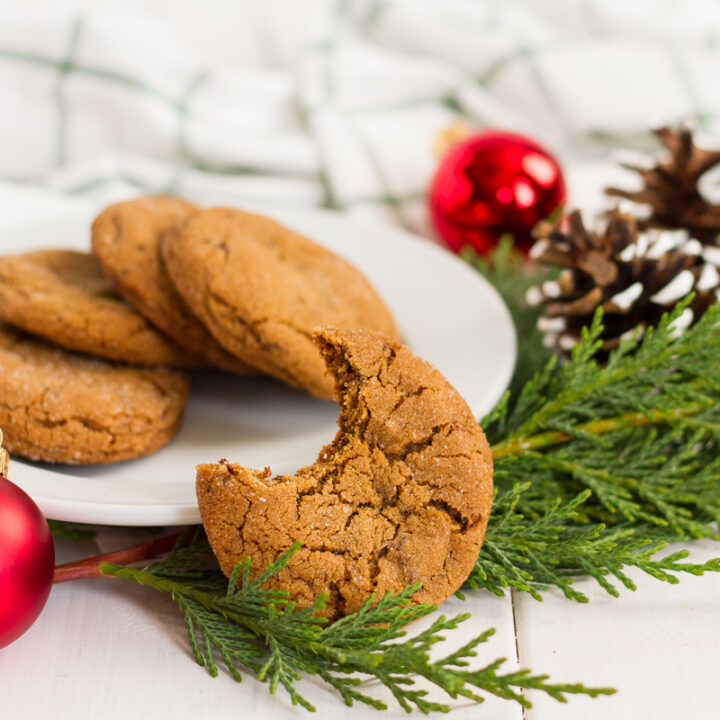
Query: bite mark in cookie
x=401, y=496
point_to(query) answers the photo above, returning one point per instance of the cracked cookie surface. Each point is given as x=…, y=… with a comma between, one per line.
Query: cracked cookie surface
x=64, y=297
x=401, y=496
x=126, y=240
x=56, y=406
x=262, y=289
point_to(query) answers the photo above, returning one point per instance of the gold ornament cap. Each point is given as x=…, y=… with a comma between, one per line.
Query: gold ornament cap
x=4, y=457
x=451, y=135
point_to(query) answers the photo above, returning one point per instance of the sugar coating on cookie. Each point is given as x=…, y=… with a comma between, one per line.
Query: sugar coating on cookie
x=401, y=496
x=126, y=240
x=59, y=407
x=261, y=289
x=64, y=297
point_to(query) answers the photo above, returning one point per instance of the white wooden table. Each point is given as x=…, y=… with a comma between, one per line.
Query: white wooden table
x=107, y=649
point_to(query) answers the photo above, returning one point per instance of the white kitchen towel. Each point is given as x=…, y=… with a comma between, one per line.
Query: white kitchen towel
x=104, y=104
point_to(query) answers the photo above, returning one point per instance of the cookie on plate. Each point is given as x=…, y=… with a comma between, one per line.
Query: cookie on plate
x=60, y=407
x=262, y=289
x=64, y=297
x=401, y=496
x=126, y=241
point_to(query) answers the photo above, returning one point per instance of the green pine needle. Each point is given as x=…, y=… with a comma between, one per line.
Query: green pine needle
x=71, y=531
x=597, y=468
x=249, y=628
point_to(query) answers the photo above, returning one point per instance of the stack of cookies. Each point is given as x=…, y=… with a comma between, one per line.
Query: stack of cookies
x=94, y=345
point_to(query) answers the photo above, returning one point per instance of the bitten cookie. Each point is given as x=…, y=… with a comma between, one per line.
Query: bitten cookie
x=262, y=289
x=57, y=406
x=63, y=296
x=126, y=241
x=401, y=496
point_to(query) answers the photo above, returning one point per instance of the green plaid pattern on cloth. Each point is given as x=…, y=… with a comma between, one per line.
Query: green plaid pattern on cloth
x=106, y=105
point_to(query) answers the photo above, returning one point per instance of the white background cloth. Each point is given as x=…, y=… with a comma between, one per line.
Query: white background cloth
x=332, y=101
x=338, y=103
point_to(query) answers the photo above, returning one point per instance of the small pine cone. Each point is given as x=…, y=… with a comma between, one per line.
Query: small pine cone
x=680, y=190
x=635, y=278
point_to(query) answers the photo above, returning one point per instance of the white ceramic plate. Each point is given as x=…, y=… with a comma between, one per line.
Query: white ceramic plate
x=447, y=313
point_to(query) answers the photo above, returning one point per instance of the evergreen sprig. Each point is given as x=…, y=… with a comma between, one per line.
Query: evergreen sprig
x=558, y=546
x=71, y=531
x=250, y=628
x=597, y=467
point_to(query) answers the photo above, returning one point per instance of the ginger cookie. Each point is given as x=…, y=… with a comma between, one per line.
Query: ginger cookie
x=60, y=407
x=126, y=241
x=262, y=289
x=401, y=496
x=64, y=297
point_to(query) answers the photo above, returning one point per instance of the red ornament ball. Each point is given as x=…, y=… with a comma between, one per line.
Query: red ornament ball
x=494, y=183
x=27, y=562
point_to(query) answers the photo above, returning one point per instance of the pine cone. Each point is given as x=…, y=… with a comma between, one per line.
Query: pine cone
x=635, y=277
x=673, y=195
